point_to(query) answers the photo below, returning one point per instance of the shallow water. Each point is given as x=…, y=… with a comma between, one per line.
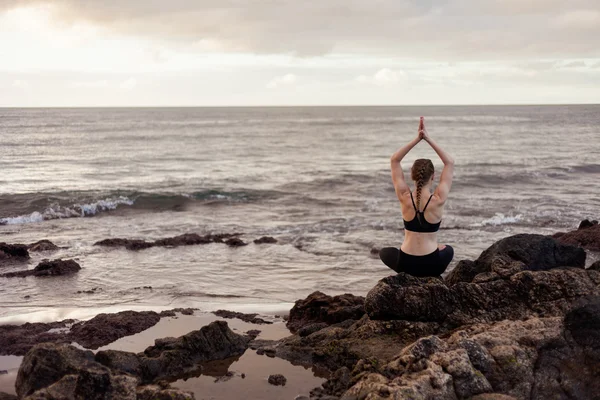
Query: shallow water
x=316, y=179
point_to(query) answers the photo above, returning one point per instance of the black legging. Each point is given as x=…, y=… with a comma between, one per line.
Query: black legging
x=433, y=264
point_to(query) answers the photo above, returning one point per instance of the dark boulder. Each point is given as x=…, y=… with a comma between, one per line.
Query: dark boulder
x=265, y=239
x=521, y=295
x=19, y=339
x=319, y=307
x=48, y=268
x=13, y=251
x=583, y=324
x=595, y=266
x=587, y=236
x=250, y=318
x=63, y=371
x=43, y=245
x=106, y=328
x=531, y=252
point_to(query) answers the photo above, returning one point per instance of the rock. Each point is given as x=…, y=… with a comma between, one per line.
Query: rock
x=523, y=295
x=583, y=323
x=48, y=268
x=155, y=392
x=531, y=252
x=43, y=245
x=19, y=339
x=3, y=372
x=170, y=357
x=173, y=312
x=122, y=361
x=587, y=236
x=13, y=251
x=6, y=396
x=265, y=239
x=58, y=371
x=235, y=242
x=311, y=328
x=319, y=307
x=250, y=318
x=253, y=333
x=277, y=380
x=106, y=328
x=187, y=239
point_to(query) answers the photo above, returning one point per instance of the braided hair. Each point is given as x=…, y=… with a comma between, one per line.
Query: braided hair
x=421, y=172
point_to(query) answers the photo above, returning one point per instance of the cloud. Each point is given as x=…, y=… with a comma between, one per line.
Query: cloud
x=285, y=80
x=383, y=77
x=19, y=83
x=89, y=84
x=449, y=29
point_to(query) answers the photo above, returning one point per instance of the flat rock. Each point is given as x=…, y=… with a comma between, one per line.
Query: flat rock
x=519, y=253
x=250, y=318
x=47, y=268
x=106, y=328
x=319, y=307
x=186, y=239
x=235, y=242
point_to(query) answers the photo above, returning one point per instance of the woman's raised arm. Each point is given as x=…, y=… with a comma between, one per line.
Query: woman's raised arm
x=397, y=174
x=443, y=188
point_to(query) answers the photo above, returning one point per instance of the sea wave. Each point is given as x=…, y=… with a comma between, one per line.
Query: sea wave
x=57, y=211
x=500, y=219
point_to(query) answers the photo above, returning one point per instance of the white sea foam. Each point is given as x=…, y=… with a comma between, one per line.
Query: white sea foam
x=77, y=210
x=500, y=219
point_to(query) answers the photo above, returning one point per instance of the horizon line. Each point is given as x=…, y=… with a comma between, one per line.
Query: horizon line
x=314, y=106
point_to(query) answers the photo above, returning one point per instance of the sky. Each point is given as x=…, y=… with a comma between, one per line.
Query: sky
x=57, y=53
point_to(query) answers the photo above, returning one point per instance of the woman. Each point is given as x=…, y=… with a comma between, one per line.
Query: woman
x=420, y=254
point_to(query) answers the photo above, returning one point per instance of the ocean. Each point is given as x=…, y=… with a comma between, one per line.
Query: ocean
x=315, y=178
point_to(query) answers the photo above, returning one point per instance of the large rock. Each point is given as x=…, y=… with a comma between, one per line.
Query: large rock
x=171, y=357
x=520, y=252
x=524, y=294
x=59, y=371
x=106, y=328
x=19, y=339
x=319, y=307
x=537, y=358
x=586, y=236
x=48, y=268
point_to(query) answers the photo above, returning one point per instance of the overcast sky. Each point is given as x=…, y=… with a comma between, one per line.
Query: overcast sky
x=312, y=52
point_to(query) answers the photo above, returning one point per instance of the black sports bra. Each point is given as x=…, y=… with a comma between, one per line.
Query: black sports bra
x=419, y=223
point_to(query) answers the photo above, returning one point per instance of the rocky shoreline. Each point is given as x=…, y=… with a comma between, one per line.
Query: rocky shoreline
x=520, y=322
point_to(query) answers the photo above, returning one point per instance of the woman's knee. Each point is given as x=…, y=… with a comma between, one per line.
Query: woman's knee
x=389, y=256
x=447, y=253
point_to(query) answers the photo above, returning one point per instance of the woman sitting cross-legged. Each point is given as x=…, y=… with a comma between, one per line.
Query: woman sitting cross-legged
x=422, y=210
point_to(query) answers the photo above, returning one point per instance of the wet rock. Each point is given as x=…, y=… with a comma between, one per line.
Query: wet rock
x=277, y=380
x=58, y=371
x=187, y=239
x=130, y=244
x=43, y=245
x=155, y=392
x=235, y=242
x=170, y=357
x=48, y=268
x=3, y=372
x=13, y=251
x=523, y=295
x=265, y=239
x=183, y=311
x=319, y=307
x=529, y=252
x=6, y=396
x=586, y=236
x=583, y=323
x=19, y=339
x=106, y=328
x=250, y=318
x=253, y=333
